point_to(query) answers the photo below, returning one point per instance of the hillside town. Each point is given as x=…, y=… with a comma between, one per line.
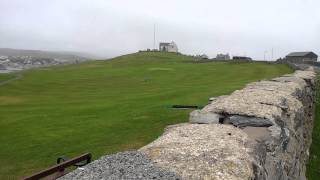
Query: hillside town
x=14, y=63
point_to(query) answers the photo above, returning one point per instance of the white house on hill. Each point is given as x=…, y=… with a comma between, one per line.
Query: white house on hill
x=168, y=47
x=223, y=57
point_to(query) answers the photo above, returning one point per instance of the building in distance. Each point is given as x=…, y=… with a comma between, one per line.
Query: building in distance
x=242, y=58
x=168, y=47
x=301, y=57
x=223, y=57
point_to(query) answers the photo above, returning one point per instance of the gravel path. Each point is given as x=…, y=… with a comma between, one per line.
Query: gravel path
x=19, y=76
x=121, y=166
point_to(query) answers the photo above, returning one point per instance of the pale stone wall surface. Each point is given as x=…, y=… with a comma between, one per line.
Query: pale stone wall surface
x=262, y=131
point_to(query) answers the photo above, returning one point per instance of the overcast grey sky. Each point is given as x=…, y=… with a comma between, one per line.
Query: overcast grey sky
x=115, y=27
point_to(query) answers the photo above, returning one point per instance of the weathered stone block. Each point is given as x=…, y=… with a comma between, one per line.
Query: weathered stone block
x=244, y=121
x=199, y=117
x=203, y=151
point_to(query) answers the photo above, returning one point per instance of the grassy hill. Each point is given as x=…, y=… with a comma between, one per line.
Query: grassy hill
x=106, y=106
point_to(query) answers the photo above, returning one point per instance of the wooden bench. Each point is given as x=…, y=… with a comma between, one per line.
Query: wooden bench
x=58, y=170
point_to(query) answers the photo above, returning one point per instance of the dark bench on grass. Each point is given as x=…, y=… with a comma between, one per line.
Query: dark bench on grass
x=186, y=107
x=58, y=170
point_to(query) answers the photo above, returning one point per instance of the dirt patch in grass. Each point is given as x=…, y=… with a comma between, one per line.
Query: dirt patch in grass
x=160, y=69
x=9, y=100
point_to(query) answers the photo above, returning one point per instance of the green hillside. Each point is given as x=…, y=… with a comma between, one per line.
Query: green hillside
x=313, y=166
x=106, y=106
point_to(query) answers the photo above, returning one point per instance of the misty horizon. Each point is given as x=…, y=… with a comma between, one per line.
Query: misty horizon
x=111, y=28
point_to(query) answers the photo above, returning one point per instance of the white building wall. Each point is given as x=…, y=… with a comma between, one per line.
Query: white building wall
x=172, y=47
x=168, y=47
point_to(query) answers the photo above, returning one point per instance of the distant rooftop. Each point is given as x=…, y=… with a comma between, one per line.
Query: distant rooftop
x=164, y=44
x=299, y=54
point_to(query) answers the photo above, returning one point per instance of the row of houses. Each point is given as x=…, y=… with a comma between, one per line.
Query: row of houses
x=294, y=57
x=172, y=47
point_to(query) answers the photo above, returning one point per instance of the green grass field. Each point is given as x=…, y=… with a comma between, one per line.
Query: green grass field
x=4, y=77
x=106, y=106
x=313, y=166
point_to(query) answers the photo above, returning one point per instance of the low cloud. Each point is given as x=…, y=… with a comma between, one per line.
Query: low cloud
x=111, y=28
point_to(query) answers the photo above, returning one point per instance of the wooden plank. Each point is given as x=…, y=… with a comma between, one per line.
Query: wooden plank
x=59, y=167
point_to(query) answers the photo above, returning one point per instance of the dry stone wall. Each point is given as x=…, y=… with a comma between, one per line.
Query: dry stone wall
x=260, y=132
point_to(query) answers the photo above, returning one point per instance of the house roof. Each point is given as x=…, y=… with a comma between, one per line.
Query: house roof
x=299, y=54
x=164, y=44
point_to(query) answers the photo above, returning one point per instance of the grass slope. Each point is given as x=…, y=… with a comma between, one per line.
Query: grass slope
x=107, y=106
x=5, y=77
x=313, y=166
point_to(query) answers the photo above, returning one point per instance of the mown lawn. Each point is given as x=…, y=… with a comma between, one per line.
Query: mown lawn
x=107, y=106
x=313, y=166
x=4, y=77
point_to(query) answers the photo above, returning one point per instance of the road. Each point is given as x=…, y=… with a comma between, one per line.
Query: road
x=18, y=76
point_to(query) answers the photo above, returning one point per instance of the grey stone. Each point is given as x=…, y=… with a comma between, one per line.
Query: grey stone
x=212, y=99
x=125, y=166
x=197, y=116
x=287, y=102
x=244, y=121
x=203, y=151
x=257, y=133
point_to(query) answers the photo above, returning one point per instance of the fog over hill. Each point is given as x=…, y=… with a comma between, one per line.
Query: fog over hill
x=259, y=29
x=19, y=59
x=64, y=56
